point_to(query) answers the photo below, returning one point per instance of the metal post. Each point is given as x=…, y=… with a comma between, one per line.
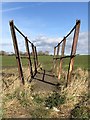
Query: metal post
x=54, y=51
x=57, y=68
x=29, y=58
x=36, y=56
x=58, y=49
x=33, y=52
x=54, y=60
x=62, y=55
x=16, y=50
x=73, y=51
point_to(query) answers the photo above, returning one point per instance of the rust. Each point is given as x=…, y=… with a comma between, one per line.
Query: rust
x=33, y=53
x=73, y=51
x=16, y=51
x=29, y=58
x=62, y=55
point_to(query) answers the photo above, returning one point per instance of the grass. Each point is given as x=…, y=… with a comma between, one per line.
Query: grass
x=23, y=102
x=54, y=100
x=21, y=99
x=47, y=61
x=37, y=98
x=40, y=113
x=80, y=112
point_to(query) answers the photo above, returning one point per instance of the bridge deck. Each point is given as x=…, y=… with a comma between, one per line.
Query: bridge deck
x=45, y=81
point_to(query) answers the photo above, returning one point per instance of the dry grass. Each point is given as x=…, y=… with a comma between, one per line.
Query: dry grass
x=18, y=101
x=76, y=92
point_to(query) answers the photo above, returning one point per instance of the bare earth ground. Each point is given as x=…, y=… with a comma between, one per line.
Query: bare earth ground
x=29, y=100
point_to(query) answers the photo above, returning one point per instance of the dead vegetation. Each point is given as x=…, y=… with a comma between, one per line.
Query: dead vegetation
x=23, y=102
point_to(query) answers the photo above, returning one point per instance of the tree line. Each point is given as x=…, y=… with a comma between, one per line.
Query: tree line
x=23, y=53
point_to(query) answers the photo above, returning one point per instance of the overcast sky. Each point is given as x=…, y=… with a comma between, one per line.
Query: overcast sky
x=45, y=24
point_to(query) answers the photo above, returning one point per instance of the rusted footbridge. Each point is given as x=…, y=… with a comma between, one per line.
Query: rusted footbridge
x=61, y=57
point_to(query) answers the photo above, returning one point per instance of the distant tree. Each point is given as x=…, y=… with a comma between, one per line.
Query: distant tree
x=40, y=53
x=11, y=54
x=3, y=53
x=46, y=52
x=23, y=53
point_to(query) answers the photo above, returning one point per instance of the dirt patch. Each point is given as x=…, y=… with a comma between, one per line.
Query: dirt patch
x=44, y=82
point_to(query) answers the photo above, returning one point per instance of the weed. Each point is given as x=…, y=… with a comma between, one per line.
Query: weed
x=19, y=95
x=40, y=113
x=54, y=100
x=80, y=112
x=37, y=98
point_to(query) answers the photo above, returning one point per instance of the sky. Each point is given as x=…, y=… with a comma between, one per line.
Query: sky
x=45, y=24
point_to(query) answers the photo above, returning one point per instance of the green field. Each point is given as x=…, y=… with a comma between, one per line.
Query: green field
x=47, y=61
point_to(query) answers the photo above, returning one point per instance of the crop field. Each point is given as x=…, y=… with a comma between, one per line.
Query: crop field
x=47, y=61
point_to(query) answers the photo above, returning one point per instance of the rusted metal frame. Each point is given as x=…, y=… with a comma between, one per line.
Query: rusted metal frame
x=22, y=34
x=69, y=33
x=29, y=57
x=58, y=49
x=36, y=56
x=73, y=51
x=61, y=60
x=16, y=51
x=33, y=53
x=57, y=68
x=54, y=51
x=43, y=75
x=65, y=57
x=19, y=31
x=54, y=60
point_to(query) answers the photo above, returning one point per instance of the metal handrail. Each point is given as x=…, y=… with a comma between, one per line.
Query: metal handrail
x=68, y=34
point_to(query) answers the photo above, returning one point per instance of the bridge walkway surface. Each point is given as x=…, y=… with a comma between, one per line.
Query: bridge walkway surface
x=45, y=81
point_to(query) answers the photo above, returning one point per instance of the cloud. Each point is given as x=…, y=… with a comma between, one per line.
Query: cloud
x=46, y=43
x=5, y=44
x=17, y=8
x=45, y=40
x=10, y=9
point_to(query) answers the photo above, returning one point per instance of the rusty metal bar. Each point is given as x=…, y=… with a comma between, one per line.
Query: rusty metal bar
x=22, y=34
x=33, y=53
x=36, y=56
x=19, y=31
x=78, y=22
x=65, y=57
x=29, y=58
x=55, y=64
x=73, y=51
x=11, y=23
x=58, y=49
x=54, y=51
x=63, y=47
x=61, y=60
x=54, y=61
x=43, y=75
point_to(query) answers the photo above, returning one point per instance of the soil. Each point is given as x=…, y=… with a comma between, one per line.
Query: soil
x=45, y=82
